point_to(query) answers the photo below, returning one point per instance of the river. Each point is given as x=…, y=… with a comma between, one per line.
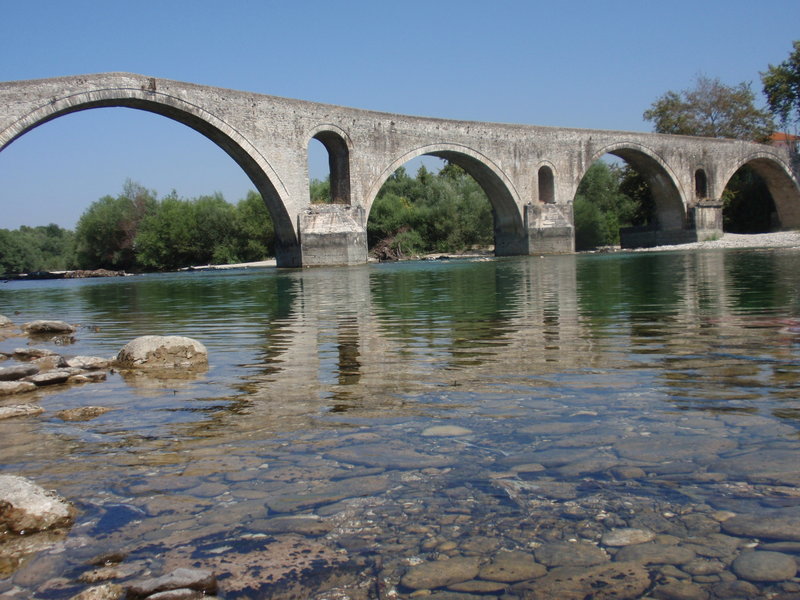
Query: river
x=356, y=424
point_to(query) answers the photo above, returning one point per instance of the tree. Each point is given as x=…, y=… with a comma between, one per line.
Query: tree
x=782, y=89
x=711, y=109
x=105, y=234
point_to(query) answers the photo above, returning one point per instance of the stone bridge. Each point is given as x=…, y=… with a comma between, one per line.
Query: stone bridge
x=529, y=173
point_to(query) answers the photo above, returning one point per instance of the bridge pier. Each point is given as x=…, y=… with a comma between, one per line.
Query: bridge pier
x=332, y=234
x=548, y=229
x=704, y=223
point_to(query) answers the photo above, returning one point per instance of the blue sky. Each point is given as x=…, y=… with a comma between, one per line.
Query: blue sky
x=573, y=63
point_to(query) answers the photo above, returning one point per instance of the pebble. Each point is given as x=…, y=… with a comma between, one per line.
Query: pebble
x=43, y=327
x=445, y=431
x=572, y=554
x=512, y=566
x=440, y=573
x=774, y=525
x=764, y=566
x=627, y=537
x=83, y=413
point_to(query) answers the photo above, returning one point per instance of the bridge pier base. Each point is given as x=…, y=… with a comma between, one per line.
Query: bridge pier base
x=548, y=230
x=332, y=234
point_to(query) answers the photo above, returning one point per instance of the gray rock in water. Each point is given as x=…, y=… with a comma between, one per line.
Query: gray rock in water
x=8, y=388
x=5, y=321
x=42, y=327
x=106, y=591
x=27, y=507
x=764, y=566
x=194, y=579
x=20, y=410
x=89, y=363
x=163, y=352
x=17, y=372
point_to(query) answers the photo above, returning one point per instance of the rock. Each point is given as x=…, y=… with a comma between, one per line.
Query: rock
x=17, y=372
x=201, y=580
x=570, y=554
x=655, y=554
x=510, y=567
x=764, y=566
x=617, y=580
x=5, y=321
x=90, y=363
x=20, y=410
x=107, y=591
x=304, y=524
x=770, y=524
x=735, y=589
x=627, y=537
x=294, y=497
x=479, y=587
x=8, y=388
x=32, y=353
x=27, y=507
x=83, y=413
x=680, y=590
x=389, y=456
x=53, y=377
x=48, y=327
x=163, y=352
x=440, y=573
x=445, y=431
x=88, y=377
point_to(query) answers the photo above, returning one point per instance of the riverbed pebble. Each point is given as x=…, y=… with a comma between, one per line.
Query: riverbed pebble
x=627, y=536
x=20, y=410
x=440, y=573
x=8, y=388
x=764, y=566
x=201, y=580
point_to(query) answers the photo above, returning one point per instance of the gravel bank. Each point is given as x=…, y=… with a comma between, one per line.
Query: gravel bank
x=779, y=239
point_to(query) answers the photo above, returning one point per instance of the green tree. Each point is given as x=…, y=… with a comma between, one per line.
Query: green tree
x=320, y=191
x=42, y=248
x=782, y=89
x=255, y=230
x=105, y=234
x=600, y=208
x=711, y=109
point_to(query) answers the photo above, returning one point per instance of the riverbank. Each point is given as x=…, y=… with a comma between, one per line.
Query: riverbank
x=778, y=239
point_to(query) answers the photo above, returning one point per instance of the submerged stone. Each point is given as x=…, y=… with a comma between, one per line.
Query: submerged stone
x=440, y=573
x=764, y=566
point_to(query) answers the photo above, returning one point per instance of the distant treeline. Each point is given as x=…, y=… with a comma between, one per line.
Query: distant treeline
x=136, y=231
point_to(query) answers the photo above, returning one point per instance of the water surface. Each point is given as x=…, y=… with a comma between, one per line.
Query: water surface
x=413, y=411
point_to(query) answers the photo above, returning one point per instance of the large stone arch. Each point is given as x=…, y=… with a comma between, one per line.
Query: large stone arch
x=236, y=145
x=781, y=183
x=670, y=202
x=509, y=232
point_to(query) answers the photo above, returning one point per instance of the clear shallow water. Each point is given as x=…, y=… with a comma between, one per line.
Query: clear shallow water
x=665, y=382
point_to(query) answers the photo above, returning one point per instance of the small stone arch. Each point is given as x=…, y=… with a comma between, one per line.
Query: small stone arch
x=509, y=232
x=338, y=145
x=700, y=184
x=546, y=184
x=252, y=162
x=670, y=202
x=781, y=183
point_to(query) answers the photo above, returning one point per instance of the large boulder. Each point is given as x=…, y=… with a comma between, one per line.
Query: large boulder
x=163, y=352
x=26, y=507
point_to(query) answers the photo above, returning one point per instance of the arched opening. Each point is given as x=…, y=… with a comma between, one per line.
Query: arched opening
x=626, y=202
x=700, y=184
x=547, y=185
x=116, y=163
x=760, y=197
x=329, y=183
x=459, y=204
